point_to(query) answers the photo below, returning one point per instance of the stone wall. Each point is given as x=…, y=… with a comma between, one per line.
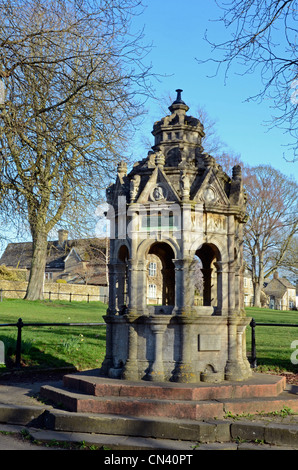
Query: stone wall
x=55, y=291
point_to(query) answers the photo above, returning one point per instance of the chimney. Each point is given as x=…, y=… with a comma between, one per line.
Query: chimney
x=275, y=275
x=63, y=236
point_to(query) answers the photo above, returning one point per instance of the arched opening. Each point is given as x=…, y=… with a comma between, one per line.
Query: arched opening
x=198, y=281
x=209, y=256
x=161, y=274
x=122, y=279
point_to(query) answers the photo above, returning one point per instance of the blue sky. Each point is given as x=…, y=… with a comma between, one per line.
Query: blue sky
x=177, y=30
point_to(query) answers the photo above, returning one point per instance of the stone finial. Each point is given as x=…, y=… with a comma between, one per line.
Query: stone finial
x=134, y=187
x=184, y=185
x=237, y=172
x=179, y=99
x=209, y=161
x=122, y=168
x=178, y=103
x=159, y=159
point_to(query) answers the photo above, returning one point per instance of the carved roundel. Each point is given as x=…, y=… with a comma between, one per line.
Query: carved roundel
x=209, y=195
x=159, y=192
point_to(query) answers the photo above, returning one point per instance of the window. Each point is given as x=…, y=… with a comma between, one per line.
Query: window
x=245, y=282
x=152, y=291
x=152, y=269
x=48, y=276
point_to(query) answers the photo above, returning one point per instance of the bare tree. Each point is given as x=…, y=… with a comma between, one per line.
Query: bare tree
x=263, y=40
x=290, y=261
x=272, y=222
x=73, y=77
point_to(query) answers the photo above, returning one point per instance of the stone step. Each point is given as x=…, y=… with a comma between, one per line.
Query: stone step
x=146, y=427
x=178, y=409
x=259, y=385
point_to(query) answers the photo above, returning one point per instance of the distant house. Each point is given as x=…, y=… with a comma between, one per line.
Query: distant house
x=154, y=279
x=81, y=261
x=281, y=293
x=248, y=289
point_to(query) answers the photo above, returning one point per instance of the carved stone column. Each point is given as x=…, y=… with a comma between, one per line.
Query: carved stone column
x=218, y=266
x=236, y=366
x=184, y=371
x=183, y=286
x=157, y=371
x=130, y=371
x=133, y=286
x=112, y=289
x=108, y=360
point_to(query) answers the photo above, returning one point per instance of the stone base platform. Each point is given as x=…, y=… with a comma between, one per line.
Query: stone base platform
x=89, y=393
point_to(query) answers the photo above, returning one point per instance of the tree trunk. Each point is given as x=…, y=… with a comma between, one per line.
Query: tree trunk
x=259, y=281
x=38, y=264
x=257, y=294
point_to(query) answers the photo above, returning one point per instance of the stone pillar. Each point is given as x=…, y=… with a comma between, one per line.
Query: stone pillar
x=121, y=273
x=112, y=289
x=133, y=287
x=184, y=371
x=157, y=371
x=231, y=284
x=178, y=286
x=130, y=371
x=218, y=266
x=237, y=288
x=237, y=367
x=183, y=286
x=231, y=372
x=231, y=265
x=108, y=360
x=225, y=289
x=242, y=346
x=142, y=287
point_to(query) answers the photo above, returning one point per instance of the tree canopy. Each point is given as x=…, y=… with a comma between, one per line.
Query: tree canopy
x=262, y=40
x=74, y=81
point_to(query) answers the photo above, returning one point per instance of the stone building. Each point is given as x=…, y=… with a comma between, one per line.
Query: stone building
x=175, y=206
x=78, y=261
x=248, y=289
x=281, y=293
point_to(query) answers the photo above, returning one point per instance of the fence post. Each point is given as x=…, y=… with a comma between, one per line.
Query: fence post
x=0, y=295
x=19, y=342
x=70, y=297
x=253, y=344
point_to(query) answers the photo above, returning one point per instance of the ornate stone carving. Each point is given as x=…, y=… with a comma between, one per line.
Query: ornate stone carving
x=134, y=187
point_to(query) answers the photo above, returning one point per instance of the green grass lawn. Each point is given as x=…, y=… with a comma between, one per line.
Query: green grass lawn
x=81, y=347
x=273, y=344
x=84, y=347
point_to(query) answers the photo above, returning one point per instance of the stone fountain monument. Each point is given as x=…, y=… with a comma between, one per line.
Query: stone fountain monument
x=180, y=206
x=170, y=353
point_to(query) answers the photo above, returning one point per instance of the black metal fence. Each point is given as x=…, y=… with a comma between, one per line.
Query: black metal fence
x=253, y=324
x=20, y=324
